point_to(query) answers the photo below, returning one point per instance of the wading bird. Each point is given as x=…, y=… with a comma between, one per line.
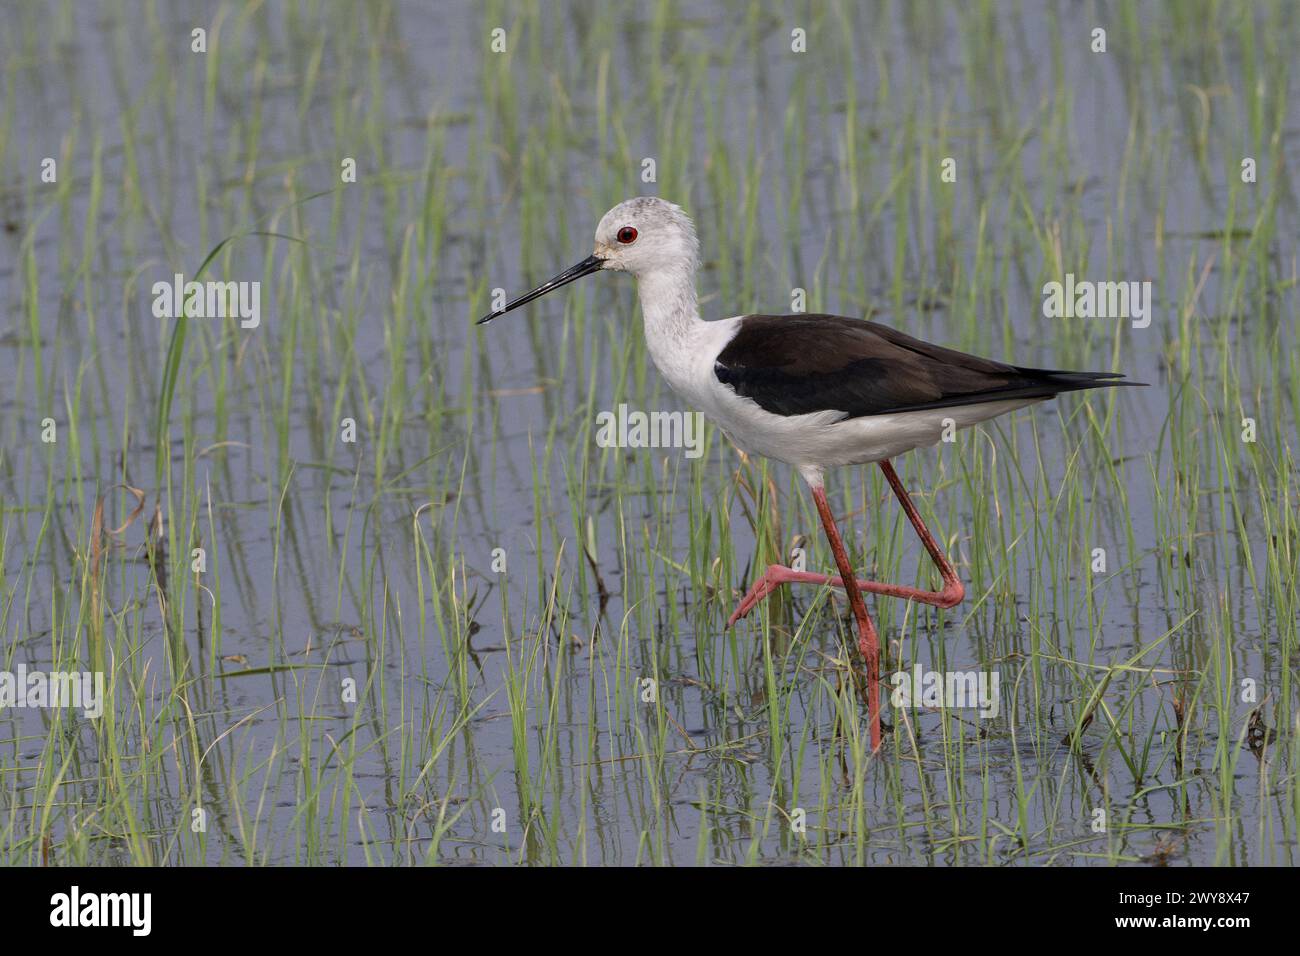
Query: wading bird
x=814, y=391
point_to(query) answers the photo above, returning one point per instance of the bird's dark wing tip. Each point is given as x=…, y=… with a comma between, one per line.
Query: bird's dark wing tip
x=1117, y=378
x=1076, y=380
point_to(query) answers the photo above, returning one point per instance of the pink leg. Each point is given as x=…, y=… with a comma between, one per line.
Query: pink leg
x=953, y=590
x=951, y=594
x=868, y=644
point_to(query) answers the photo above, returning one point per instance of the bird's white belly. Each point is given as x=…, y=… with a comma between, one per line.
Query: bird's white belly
x=827, y=439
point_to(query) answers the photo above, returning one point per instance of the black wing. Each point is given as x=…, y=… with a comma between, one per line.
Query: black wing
x=797, y=364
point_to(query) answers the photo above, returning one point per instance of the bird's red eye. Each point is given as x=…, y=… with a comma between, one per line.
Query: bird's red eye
x=627, y=234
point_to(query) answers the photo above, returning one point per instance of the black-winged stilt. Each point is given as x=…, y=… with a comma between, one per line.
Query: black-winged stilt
x=814, y=391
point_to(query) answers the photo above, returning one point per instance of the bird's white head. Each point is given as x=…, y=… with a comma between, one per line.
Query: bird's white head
x=647, y=234
x=644, y=236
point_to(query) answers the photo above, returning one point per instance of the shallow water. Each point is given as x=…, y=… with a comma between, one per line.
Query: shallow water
x=375, y=561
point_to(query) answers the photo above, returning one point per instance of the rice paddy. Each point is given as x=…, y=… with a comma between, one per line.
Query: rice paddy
x=363, y=586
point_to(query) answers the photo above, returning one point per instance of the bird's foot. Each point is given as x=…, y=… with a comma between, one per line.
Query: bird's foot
x=775, y=576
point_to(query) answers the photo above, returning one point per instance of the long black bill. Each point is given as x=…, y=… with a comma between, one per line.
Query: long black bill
x=584, y=268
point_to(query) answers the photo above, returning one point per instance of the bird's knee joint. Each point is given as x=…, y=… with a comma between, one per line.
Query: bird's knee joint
x=953, y=594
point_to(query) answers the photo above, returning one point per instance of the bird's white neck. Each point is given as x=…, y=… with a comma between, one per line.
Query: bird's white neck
x=672, y=319
x=668, y=302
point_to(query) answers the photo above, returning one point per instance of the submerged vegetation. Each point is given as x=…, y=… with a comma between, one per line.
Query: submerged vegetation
x=472, y=633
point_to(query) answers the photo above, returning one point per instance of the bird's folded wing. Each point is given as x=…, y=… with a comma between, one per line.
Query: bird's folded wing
x=799, y=364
